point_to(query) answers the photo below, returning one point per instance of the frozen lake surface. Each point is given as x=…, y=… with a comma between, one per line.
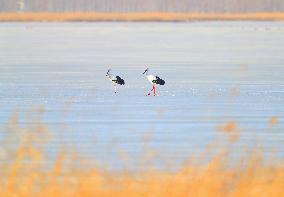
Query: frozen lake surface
x=215, y=72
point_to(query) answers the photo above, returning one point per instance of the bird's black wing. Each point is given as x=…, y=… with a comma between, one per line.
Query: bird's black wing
x=159, y=81
x=119, y=80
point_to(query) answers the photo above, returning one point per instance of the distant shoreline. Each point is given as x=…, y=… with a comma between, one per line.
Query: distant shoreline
x=137, y=17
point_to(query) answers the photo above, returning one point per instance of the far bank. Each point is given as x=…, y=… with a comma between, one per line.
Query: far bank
x=137, y=17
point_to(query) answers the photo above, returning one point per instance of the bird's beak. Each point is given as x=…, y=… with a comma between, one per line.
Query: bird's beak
x=145, y=71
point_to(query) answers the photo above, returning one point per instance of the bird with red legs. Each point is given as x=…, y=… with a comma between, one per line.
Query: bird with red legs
x=154, y=80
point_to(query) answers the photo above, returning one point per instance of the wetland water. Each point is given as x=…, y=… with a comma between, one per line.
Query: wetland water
x=216, y=73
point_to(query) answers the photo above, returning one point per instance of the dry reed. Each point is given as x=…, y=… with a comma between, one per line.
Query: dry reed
x=76, y=17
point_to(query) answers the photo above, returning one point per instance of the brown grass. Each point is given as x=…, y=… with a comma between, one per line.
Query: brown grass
x=61, y=17
x=210, y=181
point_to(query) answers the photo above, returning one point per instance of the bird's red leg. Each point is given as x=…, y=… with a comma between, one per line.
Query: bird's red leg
x=151, y=91
x=154, y=88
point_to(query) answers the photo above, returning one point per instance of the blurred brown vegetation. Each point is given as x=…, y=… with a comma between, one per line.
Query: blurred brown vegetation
x=136, y=16
x=24, y=171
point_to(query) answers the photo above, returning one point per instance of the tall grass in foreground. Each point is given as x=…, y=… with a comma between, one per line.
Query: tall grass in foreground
x=137, y=16
x=24, y=171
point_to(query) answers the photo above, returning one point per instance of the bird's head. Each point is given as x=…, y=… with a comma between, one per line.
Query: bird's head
x=145, y=71
x=108, y=72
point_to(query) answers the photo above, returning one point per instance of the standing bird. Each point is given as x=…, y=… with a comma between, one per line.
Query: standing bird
x=115, y=80
x=153, y=80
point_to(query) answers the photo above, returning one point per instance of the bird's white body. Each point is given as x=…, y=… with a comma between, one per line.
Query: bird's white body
x=112, y=78
x=150, y=78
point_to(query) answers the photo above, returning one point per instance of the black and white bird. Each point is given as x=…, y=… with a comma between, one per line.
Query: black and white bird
x=153, y=80
x=115, y=80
